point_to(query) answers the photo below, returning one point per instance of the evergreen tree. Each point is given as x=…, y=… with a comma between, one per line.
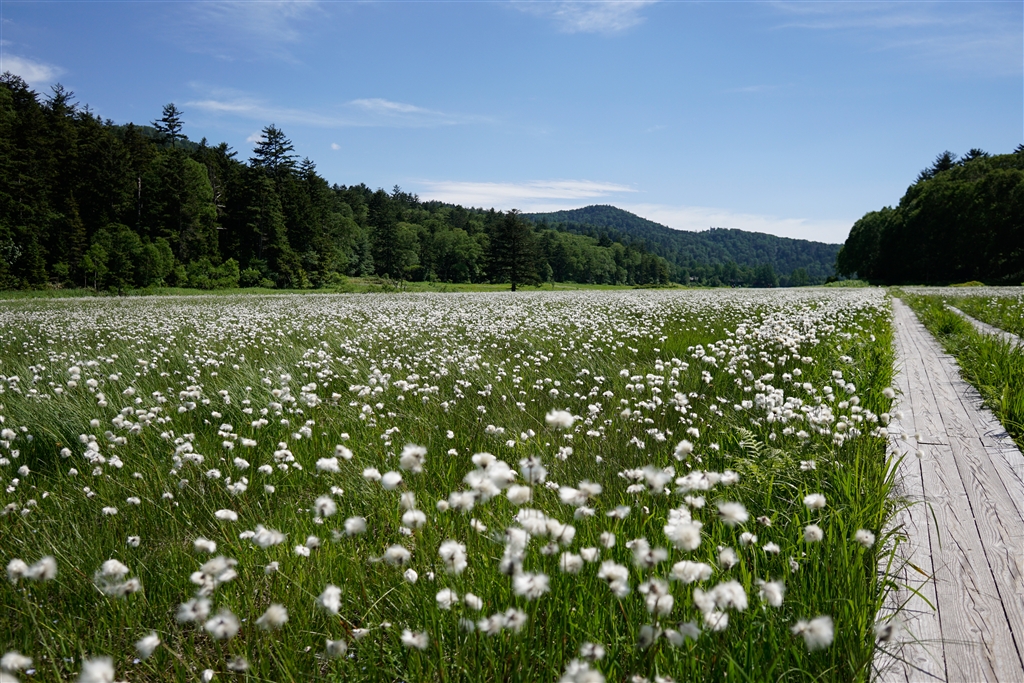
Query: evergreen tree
x=169, y=125
x=513, y=251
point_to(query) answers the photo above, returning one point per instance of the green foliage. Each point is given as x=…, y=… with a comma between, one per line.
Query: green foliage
x=960, y=221
x=87, y=202
x=715, y=257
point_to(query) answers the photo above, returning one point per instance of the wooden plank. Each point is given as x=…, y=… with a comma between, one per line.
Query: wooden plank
x=976, y=539
x=917, y=652
x=985, y=328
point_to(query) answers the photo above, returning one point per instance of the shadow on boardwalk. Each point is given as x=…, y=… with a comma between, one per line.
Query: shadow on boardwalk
x=963, y=589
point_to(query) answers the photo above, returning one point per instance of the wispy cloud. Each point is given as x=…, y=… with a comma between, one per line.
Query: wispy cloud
x=967, y=37
x=698, y=218
x=588, y=16
x=752, y=89
x=366, y=112
x=37, y=74
x=243, y=29
x=533, y=195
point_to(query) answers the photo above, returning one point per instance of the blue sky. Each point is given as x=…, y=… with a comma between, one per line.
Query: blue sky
x=794, y=118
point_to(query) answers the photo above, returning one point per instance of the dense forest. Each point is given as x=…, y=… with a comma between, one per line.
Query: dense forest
x=716, y=256
x=88, y=202
x=961, y=220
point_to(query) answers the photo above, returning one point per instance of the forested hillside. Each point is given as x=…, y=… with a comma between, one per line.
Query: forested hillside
x=727, y=255
x=87, y=202
x=961, y=220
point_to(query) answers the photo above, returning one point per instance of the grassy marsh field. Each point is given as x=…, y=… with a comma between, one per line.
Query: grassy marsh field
x=574, y=486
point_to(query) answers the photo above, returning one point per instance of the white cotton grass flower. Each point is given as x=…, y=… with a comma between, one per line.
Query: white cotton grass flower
x=145, y=646
x=329, y=465
x=864, y=537
x=266, y=538
x=570, y=563
x=684, y=535
x=559, y=419
x=355, y=526
x=593, y=652
x=223, y=625
x=416, y=519
x=391, y=481
x=418, y=640
x=371, y=474
x=13, y=662
x=196, y=609
x=519, y=495
x=396, y=555
x=324, y=506
x=727, y=558
x=690, y=572
x=473, y=602
x=577, y=671
x=274, y=618
x=818, y=633
x=813, y=533
x=446, y=598
x=530, y=586
x=683, y=450
x=412, y=458
x=453, y=555
x=97, y=670
x=226, y=515
x=411, y=575
x=407, y=501
x=336, y=648
x=330, y=599
x=17, y=569
x=205, y=545
x=889, y=393
x=814, y=501
x=771, y=592
x=732, y=514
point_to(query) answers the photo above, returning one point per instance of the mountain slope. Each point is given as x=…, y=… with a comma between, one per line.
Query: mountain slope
x=687, y=249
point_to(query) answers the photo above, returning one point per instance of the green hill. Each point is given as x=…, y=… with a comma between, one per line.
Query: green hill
x=696, y=251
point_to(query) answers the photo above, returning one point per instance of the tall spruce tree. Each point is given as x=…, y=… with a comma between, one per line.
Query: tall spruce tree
x=514, y=251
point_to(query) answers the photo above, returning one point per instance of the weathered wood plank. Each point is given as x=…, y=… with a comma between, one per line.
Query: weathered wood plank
x=985, y=328
x=972, y=531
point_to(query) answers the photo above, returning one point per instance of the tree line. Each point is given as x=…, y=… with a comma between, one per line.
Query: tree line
x=87, y=202
x=961, y=220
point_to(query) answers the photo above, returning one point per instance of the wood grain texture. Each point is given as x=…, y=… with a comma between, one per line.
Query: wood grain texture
x=964, y=527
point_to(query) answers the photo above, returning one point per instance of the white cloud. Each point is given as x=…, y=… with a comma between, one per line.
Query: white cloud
x=356, y=113
x=534, y=195
x=977, y=37
x=255, y=137
x=36, y=74
x=335, y=146
x=698, y=218
x=273, y=20
x=588, y=16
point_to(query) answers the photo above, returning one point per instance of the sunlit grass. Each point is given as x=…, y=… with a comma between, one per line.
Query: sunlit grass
x=472, y=373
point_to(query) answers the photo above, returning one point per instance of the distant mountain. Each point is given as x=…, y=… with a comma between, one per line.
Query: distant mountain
x=694, y=251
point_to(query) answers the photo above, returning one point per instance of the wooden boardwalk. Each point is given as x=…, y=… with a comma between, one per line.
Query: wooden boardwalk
x=985, y=328
x=963, y=618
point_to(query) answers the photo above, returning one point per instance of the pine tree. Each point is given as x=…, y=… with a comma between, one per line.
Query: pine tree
x=169, y=125
x=514, y=251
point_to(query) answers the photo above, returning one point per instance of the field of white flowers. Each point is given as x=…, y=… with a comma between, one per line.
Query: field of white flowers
x=577, y=486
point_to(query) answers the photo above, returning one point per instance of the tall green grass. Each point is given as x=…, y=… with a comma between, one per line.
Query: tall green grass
x=60, y=623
